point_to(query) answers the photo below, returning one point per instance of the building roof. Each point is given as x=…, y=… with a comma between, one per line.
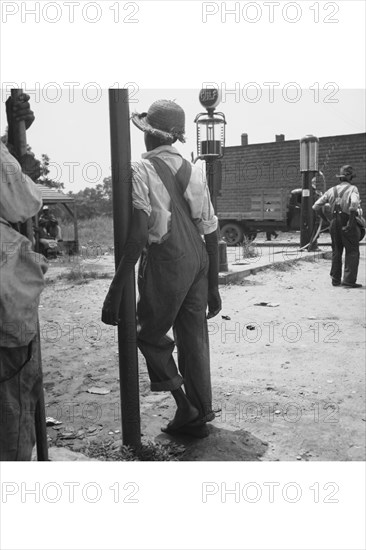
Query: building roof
x=51, y=196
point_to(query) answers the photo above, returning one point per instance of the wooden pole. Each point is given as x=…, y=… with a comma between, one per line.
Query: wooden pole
x=76, y=235
x=20, y=144
x=122, y=208
x=20, y=137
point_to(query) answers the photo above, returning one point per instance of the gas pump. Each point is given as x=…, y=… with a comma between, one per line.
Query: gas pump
x=210, y=146
x=309, y=154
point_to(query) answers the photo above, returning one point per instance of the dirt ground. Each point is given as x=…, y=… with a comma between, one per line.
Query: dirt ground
x=288, y=381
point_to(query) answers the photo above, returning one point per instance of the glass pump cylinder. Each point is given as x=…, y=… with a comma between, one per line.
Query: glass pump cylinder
x=210, y=135
x=309, y=153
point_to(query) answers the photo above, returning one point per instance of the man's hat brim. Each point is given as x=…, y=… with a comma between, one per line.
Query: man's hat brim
x=141, y=123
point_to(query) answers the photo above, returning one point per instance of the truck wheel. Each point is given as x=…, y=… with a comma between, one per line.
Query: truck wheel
x=232, y=233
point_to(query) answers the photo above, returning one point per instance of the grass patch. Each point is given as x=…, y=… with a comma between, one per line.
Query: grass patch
x=283, y=266
x=149, y=452
x=249, y=249
x=79, y=275
x=95, y=233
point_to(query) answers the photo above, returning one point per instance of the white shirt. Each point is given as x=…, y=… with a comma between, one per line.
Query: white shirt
x=149, y=193
x=20, y=197
x=350, y=199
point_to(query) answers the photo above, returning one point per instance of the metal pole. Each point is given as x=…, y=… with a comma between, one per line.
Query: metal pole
x=122, y=208
x=20, y=144
x=213, y=175
x=40, y=413
x=210, y=180
x=306, y=214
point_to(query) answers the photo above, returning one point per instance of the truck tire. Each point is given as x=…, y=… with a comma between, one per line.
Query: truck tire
x=232, y=233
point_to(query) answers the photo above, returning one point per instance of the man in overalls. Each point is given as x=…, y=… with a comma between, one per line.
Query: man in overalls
x=175, y=229
x=344, y=200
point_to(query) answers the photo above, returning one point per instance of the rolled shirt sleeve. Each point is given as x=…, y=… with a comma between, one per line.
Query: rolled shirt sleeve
x=140, y=190
x=322, y=201
x=21, y=198
x=355, y=201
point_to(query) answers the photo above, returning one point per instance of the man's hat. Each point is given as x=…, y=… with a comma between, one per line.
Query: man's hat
x=345, y=172
x=165, y=119
x=45, y=207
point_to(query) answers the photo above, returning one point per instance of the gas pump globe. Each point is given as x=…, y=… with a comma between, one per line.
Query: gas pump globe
x=309, y=153
x=210, y=127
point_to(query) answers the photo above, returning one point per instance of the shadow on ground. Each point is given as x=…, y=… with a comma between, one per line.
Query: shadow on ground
x=221, y=445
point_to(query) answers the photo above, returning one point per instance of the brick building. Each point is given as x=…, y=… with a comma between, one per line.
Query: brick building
x=276, y=165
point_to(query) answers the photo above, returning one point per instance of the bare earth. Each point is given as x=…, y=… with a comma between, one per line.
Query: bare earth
x=288, y=381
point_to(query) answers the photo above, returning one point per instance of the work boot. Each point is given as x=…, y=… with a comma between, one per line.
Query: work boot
x=352, y=285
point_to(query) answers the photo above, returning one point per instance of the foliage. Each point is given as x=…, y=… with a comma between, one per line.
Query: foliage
x=95, y=201
x=90, y=202
x=148, y=452
x=45, y=170
x=249, y=249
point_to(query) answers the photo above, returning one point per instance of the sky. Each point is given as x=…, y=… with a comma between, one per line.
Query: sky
x=73, y=127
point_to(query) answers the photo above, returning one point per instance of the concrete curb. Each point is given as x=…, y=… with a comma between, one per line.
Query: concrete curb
x=236, y=277
x=278, y=244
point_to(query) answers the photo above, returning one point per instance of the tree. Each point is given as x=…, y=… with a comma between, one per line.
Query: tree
x=45, y=170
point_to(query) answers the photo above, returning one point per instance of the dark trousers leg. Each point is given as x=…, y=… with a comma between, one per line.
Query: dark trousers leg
x=191, y=336
x=337, y=249
x=156, y=316
x=18, y=399
x=351, y=241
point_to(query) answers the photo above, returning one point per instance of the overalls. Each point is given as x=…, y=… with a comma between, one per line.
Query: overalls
x=20, y=388
x=344, y=240
x=173, y=290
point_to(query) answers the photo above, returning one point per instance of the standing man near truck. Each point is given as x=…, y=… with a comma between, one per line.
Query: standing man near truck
x=344, y=200
x=178, y=274
x=21, y=281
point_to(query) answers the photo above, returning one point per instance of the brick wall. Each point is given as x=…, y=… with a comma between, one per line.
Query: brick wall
x=276, y=165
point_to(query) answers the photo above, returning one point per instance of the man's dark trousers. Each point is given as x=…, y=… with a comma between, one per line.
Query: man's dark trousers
x=348, y=240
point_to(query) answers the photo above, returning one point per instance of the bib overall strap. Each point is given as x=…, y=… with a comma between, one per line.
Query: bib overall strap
x=184, y=175
x=175, y=192
x=340, y=195
x=337, y=206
